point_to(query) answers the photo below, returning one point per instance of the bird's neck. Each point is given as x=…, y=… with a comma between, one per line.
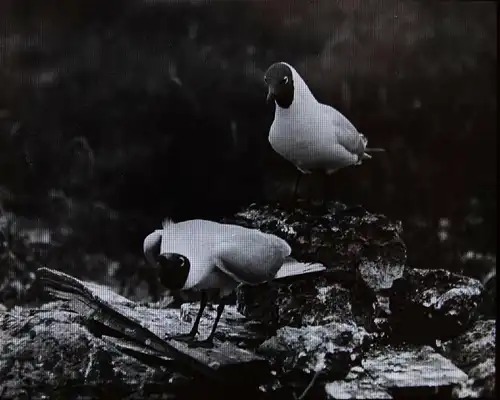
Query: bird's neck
x=302, y=103
x=303, y=98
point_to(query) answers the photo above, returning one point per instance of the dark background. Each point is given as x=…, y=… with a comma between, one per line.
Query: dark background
x=114, y=114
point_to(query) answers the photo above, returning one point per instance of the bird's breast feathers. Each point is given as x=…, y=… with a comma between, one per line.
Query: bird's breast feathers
x=319, y=137
x=304, y=144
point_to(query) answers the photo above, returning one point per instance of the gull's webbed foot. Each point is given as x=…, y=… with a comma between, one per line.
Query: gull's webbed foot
x=182, y=337
x=206, y=344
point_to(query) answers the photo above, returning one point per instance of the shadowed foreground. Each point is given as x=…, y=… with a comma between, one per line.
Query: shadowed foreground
x=369, y=325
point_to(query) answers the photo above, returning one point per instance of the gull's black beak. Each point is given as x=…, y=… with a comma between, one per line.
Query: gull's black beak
x=271, y=94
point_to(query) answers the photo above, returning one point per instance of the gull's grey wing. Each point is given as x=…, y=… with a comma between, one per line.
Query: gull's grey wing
x=345, y=132
x=252, y=259
x=292, y=267
x=151, y=246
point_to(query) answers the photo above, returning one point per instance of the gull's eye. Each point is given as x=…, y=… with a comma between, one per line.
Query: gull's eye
x=183, y=261
x=284, y=80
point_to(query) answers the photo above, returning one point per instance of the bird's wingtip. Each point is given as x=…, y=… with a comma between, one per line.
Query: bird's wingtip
x=313, y=267
x=292, y=267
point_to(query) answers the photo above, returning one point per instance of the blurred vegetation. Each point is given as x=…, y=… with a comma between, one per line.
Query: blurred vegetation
x=114, y=114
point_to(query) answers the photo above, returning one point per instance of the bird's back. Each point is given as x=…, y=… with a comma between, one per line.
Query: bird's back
x=207, y=236
x=243, y=254
x=191, y=238
x=252, y=241
x=251, y=256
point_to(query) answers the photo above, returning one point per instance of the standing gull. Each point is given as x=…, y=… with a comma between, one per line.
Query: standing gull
x=203, y=255
x=311, y=135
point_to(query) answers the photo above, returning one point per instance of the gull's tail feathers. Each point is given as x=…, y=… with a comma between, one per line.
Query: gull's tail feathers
x=367, y=150
x=292, y=267
x=167, y=222
x=374, y=150
x=367, y=156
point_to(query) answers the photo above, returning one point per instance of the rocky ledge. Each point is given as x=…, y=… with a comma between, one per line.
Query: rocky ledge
x=368, y=327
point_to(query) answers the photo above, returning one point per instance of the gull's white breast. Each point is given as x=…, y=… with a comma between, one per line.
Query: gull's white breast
x=307, y=138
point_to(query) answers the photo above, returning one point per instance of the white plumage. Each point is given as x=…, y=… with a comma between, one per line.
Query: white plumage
x=202, y=255
x=313, y=135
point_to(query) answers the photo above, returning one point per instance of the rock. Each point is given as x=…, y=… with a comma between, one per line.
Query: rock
x=399, y=372
x=314, y=331
x=359, y=388
x=48, y=347
x=49, y=352
x=442, y=302
x=232, y=326
x=341, y=239
x=296, y=303
x=331, y=349
x=474, y=352
x=363, y=253
x=408, y=370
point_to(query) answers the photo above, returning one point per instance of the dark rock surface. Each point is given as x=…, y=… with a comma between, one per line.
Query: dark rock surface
x=342, y=333
x=296, y=303
x=399, y=372
x=474, y=352
x=445, y=303
x=348, y=241
x=53, y=351
x=317, y=348
x=366, y=278
x=49, y=351
x=363, y=252
x=357, y=385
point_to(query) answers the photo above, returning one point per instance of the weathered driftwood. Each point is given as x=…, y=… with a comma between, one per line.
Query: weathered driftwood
x=114, y=315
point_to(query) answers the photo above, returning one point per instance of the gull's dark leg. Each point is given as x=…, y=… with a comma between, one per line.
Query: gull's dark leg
x=208, y=342
x=295, y=190
x=326, y=188
x=184, y=337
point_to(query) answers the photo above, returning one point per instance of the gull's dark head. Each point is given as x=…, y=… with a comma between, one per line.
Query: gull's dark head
x=173, y=270
x=279, y=81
